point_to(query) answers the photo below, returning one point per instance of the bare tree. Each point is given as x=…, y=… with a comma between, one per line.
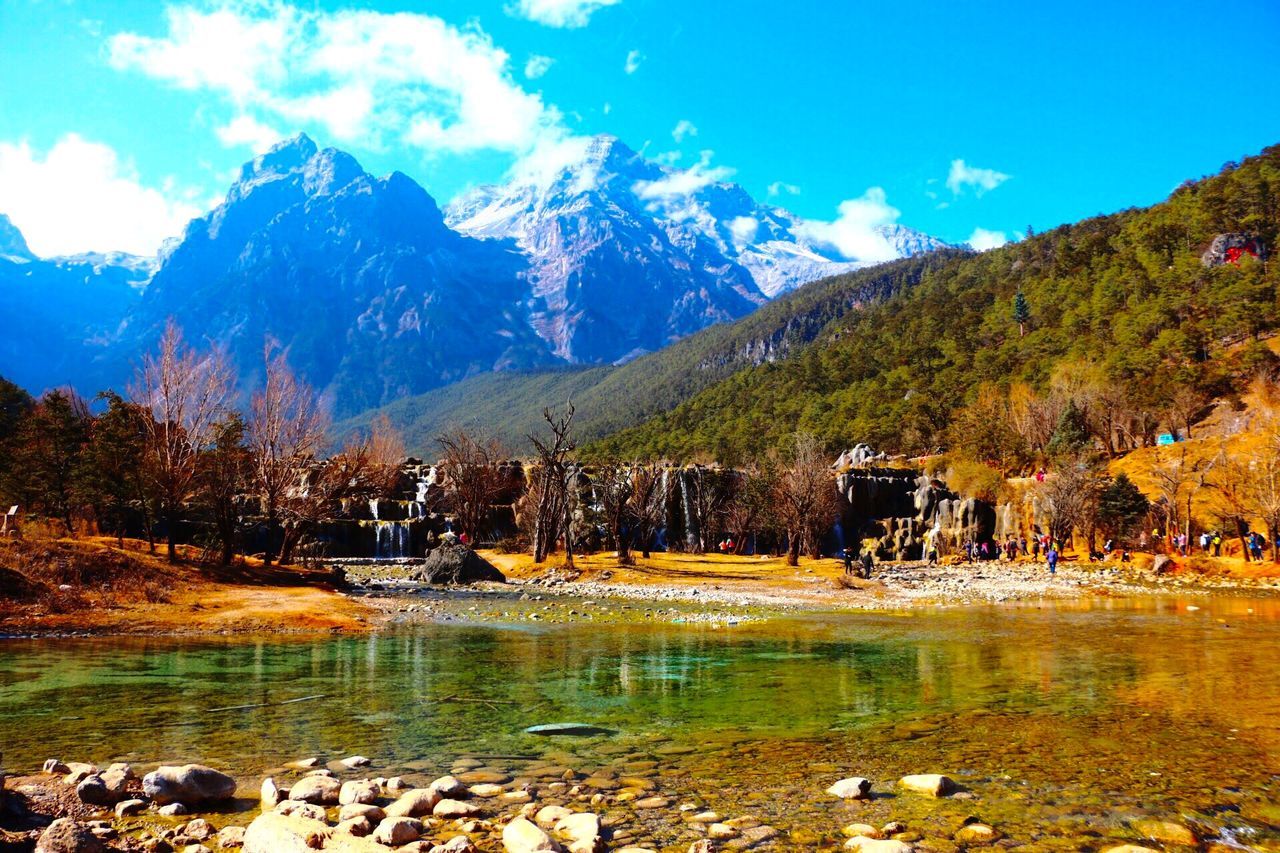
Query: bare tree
x=650, y=494
x=1179, y=476
x=386, y=455
x=186, y=393
x=751, y=506
x=225, y=474
x=473, y=478
x=615, y=488
x=805, y=497
x=1070, y=496
x=321, y=491
x=287, y=428
x=556, y=487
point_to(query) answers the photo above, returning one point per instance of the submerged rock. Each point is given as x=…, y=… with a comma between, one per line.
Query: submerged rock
x=853, y=788
x=933, y=784
x=452, y=563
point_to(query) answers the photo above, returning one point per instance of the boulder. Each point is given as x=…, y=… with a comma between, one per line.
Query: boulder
x=320, y=790
x=583, y=832
x=277, y=833
x=866, y=830
x=65, y=835
x=853, y=788
x=172, y=810
x=231, y=836
x=703, y=846
x=395, y=831
x=359, y=791
x=524, y=836
x=199, y=829
x=125, y=808
x=1161, y=564
x=454, y=808
x=457, y=844
x=413, y=803
x=271, y=794
x=344, y=843
x=977, y=834
x=933, y=784
x=300, y=809
x=354, y=761
x=78, y=771
x=93, y=791
x=188, y=784
x=350, y=810
x=54, y=767
x=549, y=816
x=1130, y=848
x=454, y=562
x=449, y=786
x=359, y=826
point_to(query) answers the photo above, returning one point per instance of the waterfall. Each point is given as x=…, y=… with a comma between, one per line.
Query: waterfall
x=391, y=540
x=691, y=531
x=373, y=508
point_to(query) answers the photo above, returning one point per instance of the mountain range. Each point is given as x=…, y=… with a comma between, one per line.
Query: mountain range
x=378, y=294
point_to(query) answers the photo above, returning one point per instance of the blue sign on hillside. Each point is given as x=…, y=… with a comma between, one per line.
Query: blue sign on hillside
x=1165, y=438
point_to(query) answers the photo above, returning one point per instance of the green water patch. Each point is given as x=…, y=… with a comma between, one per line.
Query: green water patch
x=1063, y=725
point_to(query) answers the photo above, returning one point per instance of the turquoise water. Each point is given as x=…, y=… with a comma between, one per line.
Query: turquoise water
x=1064, y=723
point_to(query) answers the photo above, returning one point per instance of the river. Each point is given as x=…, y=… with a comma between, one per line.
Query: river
x=1064, y=723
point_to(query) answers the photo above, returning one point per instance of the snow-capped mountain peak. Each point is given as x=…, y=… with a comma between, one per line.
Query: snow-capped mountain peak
x=694, y=207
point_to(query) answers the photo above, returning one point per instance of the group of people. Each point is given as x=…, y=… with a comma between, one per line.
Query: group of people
x=1014, y=547
x=865, y=561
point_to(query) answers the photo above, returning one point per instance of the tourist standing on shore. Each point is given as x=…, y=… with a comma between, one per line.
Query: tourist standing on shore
x=1051, y=557
x=868, y=563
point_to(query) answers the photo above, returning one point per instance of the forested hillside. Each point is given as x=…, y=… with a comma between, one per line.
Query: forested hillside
x=1122, y=319
x=507, y=406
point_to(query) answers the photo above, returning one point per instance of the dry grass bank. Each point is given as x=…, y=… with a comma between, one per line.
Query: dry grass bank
x=92, y=585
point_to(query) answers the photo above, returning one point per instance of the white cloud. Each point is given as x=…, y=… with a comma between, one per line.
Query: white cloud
x=246, y=130
x=854, y=232
x=777, y=188
x=364, y=76
x=79, y=197
x=743, y=229
x=559, y=13
x=683, y=182
x=607, y=108
x=634, y=58
x=683, y=129
x=537, y=65
x=981, y=239
x=982, y=180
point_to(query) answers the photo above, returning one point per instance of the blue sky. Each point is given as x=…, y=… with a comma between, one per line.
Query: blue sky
x=120, y=118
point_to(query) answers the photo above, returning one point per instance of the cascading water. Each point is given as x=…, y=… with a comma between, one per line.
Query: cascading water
x=691, y=532
x=391, y=540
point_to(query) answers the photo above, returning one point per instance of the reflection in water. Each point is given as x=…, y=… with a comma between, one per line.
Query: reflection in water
x=1064, y=721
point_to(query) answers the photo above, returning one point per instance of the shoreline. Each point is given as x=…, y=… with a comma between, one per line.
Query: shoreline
x=675, y=589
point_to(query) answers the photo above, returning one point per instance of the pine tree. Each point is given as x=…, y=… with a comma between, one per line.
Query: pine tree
x=1121, y=506
x=1021, y=313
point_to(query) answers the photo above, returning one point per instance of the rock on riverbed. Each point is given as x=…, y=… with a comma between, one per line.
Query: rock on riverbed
x=188, y=784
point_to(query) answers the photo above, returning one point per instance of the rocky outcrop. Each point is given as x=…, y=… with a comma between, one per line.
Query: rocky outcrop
x=1230, y=248
x=454, y=563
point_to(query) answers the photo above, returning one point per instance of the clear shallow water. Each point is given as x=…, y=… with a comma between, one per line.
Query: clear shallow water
x=1066, y=723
